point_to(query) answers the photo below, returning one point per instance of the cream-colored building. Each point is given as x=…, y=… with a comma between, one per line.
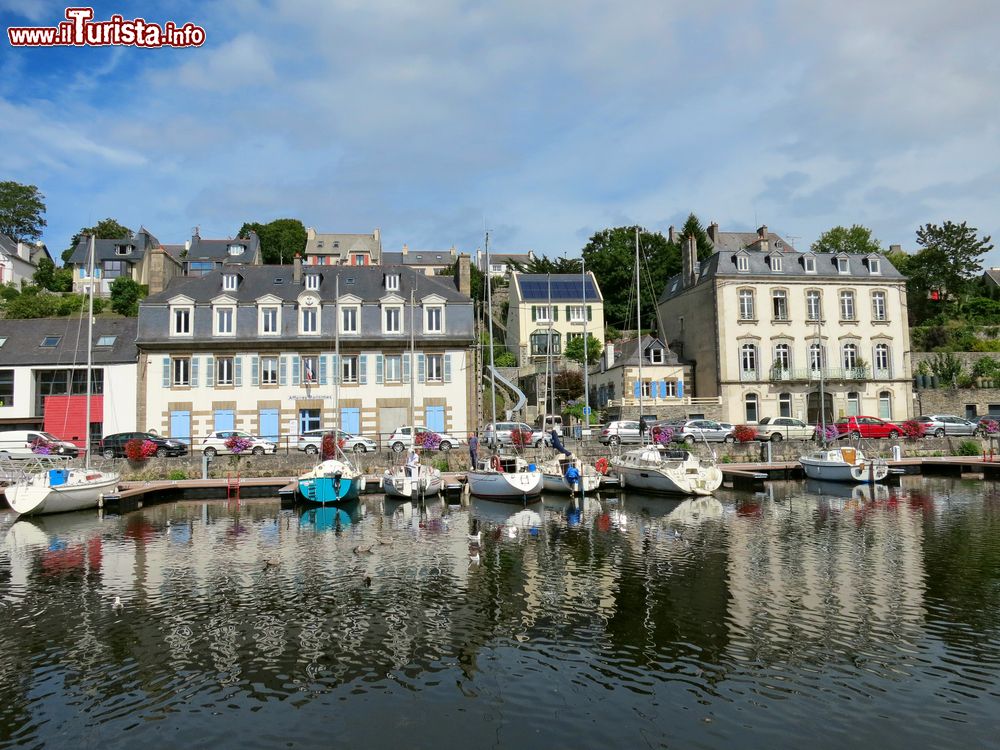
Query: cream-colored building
x=618, y=381
x=547, y=311
x=764, y=323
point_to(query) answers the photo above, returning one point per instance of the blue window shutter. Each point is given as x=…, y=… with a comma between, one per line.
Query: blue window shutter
x=209, y=372
x=663, y=389
x=81, y=273
x=296, y=370
x=567, y=312
x=636, y=388
x=97, y=273
x=194, y=372
x=406, y=368
x=322, y=369
x=680, y=389
x=166, y=372
x=255, y=370
x=421, y=368
x=447, y=368
x=362, y=369
x=335, y=374
x=282, y=370
x=379, y=365
x=238, y=377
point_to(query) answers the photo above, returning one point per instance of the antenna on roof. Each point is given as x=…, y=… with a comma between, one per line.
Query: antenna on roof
x=792, y=239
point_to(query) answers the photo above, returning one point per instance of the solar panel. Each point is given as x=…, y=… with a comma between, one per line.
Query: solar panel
x=561, y=289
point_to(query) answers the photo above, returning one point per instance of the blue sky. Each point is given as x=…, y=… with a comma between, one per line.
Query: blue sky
x=548, y=120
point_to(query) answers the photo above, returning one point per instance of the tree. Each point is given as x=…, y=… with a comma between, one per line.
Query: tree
x=610, y=255
x=568, y=385
x=856, y=240
x=280, y=239
x=574, y=350
x=125, y=296
x=946, y=267
x=477, y=280
x=21, y=211
x=52, y=278
x=693, y=228
x=541, y=264
x=106, y=229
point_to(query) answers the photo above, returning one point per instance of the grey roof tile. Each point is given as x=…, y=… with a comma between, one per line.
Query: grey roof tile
x=24, y=338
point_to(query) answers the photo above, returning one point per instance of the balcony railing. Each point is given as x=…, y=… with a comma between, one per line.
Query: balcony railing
x=670, y=400
x=778, y=374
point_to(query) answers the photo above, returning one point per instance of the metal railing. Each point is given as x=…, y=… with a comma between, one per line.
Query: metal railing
x=809, y=374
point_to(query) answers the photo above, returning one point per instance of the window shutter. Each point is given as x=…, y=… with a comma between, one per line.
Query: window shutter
x=447, y=368
x=296, y=370
x=166, y=372
x=421, y=369
x=406, y=368
x=590, y=313
x=534, y=313
x=209, y=371
x=568, y=316
x=283, y=370
x=379, y=364
x=194, y=372
x=636, y=388
x=680, y=389
x=238, y=377
x=555, y=313
x=255, y=370
x=363, y=369
x=335, y=373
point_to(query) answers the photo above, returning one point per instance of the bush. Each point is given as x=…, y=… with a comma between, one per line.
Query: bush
x=177, y=474
x=946, y=366
x=125, y=296
x=662, y=435
x=830, y=433
x=520, y=438
x=237, y=444
x=504, y=359
x=139, y=450
x=985, y=367
x=745, y=433
x=969, y=448
x=912, y=429
x=990, y=426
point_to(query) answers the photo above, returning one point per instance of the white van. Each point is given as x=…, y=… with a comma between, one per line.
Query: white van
x=21, y=444
x=550, y=422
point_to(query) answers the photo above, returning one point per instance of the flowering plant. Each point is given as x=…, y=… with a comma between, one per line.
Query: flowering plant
x=662, y=435
x=520, y=438
x=828, y=435
x=990, y=426
x=41, y=447
x=331, y=444
x=745, y=433
x=912, y=428
x=139, y=450
x=431, y=441
x=238, y=444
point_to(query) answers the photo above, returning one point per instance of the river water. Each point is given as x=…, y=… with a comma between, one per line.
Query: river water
x=811, y=615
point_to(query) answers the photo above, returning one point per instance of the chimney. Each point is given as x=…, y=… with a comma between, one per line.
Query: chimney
x=762, y=238
x=463, y=274
x=713, y=233
x=672, y=235
x=405, y=249
x=895, y=248
x=689, y=261
x=297, y=269
x=609, y=354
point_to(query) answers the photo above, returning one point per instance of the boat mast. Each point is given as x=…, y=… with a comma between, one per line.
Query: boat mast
x=638, y=333
x=549, y=406
x=586, y=363
x=489, y=309
x=336, y=358
x=413, y=373
x=90, y=345
x=822, y=389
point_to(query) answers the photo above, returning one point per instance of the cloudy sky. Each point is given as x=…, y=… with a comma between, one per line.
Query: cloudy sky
x=545, y=120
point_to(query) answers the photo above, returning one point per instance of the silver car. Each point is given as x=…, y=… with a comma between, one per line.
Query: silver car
x=939, y=425
x=312, y=442
x=623, y=431
x=501, y=434
x=699, y=430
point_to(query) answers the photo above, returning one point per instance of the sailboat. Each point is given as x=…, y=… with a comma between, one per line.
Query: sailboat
x=646, y=468
x=412, y=480
x=335, y=480
x=58, y=490
x=505, y=478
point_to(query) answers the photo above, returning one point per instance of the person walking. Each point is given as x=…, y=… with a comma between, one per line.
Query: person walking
x=473, y=449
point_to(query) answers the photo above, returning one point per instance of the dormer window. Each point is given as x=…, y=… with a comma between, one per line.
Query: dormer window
x=742, y=263
x=309, y=320
x=236, y=249
x=843, y=265
x=312, y=281
x=392, y=282
x=336, y=243
x=229, y=282
x=225, y=321
x=809, y=264
x=776, y=263
x=124, y=249
x=180, y=324
x=874, y=266
x=319, y=243
x=656, y=356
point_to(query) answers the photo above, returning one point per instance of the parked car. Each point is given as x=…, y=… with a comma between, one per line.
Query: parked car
x=216, y=443
x=113, y=446
x=501, y=434
x=867, y=427
x=400, y=439
x=312, y=441
x=21, y=444
x=697, y=430
x=939, y=425
x=549, y=422
x=623, y=431
x=777, y=429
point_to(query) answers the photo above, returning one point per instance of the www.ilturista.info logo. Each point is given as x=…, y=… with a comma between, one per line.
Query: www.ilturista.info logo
x=80, y=30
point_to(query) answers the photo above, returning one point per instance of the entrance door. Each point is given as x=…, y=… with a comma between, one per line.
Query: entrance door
x=435, y=418
x=269, y=424
x=225, y=419
x=350, y=420
x=813, y=410
x=180, y=426
x=308, y=420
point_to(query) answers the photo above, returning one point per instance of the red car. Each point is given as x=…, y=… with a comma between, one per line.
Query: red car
x=867, y=427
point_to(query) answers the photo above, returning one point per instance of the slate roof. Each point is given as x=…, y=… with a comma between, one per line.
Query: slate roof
x=419, y=258
x=565, y=287
x=218, y=250
x=993, y=274
x=8, y=245
x=105, y=249
x=345, y=245
x=24, y=338
x=626, y=353
x=365, y=282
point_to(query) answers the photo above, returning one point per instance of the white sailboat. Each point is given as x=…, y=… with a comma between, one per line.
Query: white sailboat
x=500, y=477
x=569, y=474
x=412, y=480
x=646, y=468
x=52, y=489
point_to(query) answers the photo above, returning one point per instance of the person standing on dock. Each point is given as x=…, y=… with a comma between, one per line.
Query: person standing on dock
x=473, y=448
x=413, y=463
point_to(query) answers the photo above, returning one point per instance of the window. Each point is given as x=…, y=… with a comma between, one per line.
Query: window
x=51, y=341
x=310, y=320
x=310, y=370
x=748, y=359
x=269, y=320
x=393, y=320
x=3, y=340
x=784, y=404
x=224, y=321
x=435, y=320
x=348, y=320
x=182, y=321
x=850, y=352
x=878, y=306
x=882, y=360
x=394, y=369
x=779, y=304
x=817, y=357
x=106, y=340
x=577, y=314
x=874, y=266
x=123, y=249
x=6, y=387
x=308, y=420
x=268, y=370
x=359, y=260
x=229, y=282
x=742, y=263
x=809, y=263
x=647, y=389
x=843, y=265
x=750, y=407
x=656, y=355
x=224, y=371
x=236, y=249
x=312, y=281
x=435, y=368
x=540, y=343
x=200, y=268
x=349, y=369
x=746, y=304
x=181, y=368
x=775, y=264
x=497, y=267
x=814, y=305
x=885, y=405
x=853, y=404
x=112, y=269
x=782, y=357
x=392, y=282
x=847, y=305
x=541, y=313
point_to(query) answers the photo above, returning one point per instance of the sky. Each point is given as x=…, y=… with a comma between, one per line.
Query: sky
x=543, y=121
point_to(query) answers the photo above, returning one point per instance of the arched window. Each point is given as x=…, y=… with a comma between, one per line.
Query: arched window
x=817, y=357
x=750, y=404
x=782, y=357
x=748, y=361
x=850, y=356
x=881, y=362
x=885, y=404
x=853, y=403
x=784, y=404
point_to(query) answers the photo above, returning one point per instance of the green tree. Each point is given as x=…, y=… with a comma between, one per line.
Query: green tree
x=900, y=261
x=21, y=211
x=610, y=255
x=947, y=264
x=52, y=278
x=476, y=278
x=856, y=240
x=574, y=350
x=568, y=385
x=280, y=239
x=693, y=228
x=541, y=264
x=125, y=296
x=106, y=229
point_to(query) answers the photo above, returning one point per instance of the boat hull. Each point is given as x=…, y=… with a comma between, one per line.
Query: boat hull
x=509, y=486
x=682, y=474
x=37, y=497
x=557, y=483
x=396, y=486
x=832, y=471
x=324, y=490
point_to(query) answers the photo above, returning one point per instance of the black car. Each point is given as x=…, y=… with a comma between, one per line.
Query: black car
x=113, y=446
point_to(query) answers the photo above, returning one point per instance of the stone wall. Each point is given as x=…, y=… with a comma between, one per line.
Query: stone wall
x=957, y=401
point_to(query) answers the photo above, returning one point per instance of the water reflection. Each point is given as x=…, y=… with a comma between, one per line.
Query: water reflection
x=705, y=622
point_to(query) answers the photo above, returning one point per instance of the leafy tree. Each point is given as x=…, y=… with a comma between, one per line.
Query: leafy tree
x=610, y=255
x=856, y=240
x=280, y=239
x=476, y=278
x=574, y=350
x=125, y=296
x=106, y=229
x=947, y=264
x=52, y=278
x=568, y=384
x=541, y=264
x=693, y=227
x=900, y=261
x=21, y=211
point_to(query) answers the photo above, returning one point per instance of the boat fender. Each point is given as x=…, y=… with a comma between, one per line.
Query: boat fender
x=601, y=465
x=495, y=463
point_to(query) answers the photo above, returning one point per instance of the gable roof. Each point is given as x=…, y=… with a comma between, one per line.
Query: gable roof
x=106, y=249
x=24, y=337
x=343, y=245
x=420, y=258
x=218, y=250
x=564, y=287
x=627, y=353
